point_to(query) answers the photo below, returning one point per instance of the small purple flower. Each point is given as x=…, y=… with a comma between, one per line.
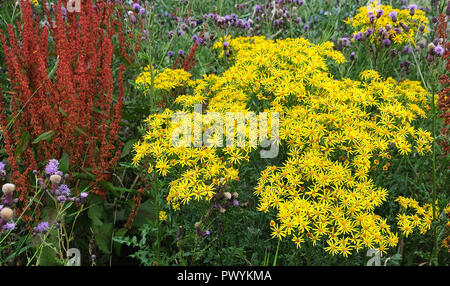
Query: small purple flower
x=194, y=38
x=133, y=19
x=180, y=32
x=306, y=27
x=64, y=190
x=136, y=7
x=352, y=56
x=52, y=167
x=235, y=203
x=207, y=233
x=398, y=30
x=181, y=53
x=2, y=169
x=200, y=41
x=84, y=195
x=393, y=15
x=9, y=226
x=170, y=54
x=386, y=42
x=380, y=13
x=439, y=50
x=358, y=36
x=42, y=227
x=225, y=44
x=412, y=6
x=369, y=32
x=407, y=50
x=61, y=199
x=142, y=12
x=170, y=34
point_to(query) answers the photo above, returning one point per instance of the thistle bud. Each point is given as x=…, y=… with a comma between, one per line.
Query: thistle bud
x=235, y=195
x=8, y=188
x=197, y=224
x=55, y=179
x=227, y=195
x=6, y=213
x=431, y=47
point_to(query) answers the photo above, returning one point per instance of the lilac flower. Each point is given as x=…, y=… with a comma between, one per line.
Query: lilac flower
x=306, y=27
x=9, y=226
x=194, y=38
x=170, y=34
x=235, y=203
x=142, y=11
x=42, y=227
x=84, y=195
x=412, y=6
x=52, y=167
x=439, y=50
x=181, y=53
x=170, y=54
x=180, y=32
x=225, y=44
x=369, y=32
x=398, y=30
x=61, y=199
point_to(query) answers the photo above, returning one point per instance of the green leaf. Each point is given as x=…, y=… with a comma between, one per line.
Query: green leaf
x=24, y=140
x=48, y=257
x=44, y=136
x=103, y=235
x=96, y=212
x=119, y=234
x=128, y=147
x=64, y=163
x=78, y=129
x=63, y=112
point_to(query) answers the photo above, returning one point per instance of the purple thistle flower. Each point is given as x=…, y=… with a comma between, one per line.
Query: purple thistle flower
x=84, y=195
x=42, y=227
x=225, y=44
x=61, y=199
x=52, y=167
x=407, y=50
x=439, y=50
x=9, y=226
x=64, y=190
x=2, y=169
x=358, y=36
x=142, y=11
x=235, y=203
x=380, y=13
x=170, y=54
x=386, y=42
x=369, y=32
x=136, y=7
x=181, y=53
x=393, y=15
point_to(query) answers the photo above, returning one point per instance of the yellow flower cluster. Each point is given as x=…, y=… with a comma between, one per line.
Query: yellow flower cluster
x=383, y=21
x=34, y=2
x=421, y=217
x=162, y=216
x=333, y=132
x=167, y=80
